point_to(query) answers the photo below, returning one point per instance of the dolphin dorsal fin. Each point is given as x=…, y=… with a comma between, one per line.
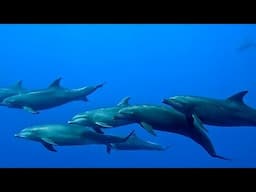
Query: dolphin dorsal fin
x=18, y=85
x=124, y=101
x=55, y=83
x=238, y=97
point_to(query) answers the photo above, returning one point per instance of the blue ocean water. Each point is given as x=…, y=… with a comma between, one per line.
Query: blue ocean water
x=147, y=63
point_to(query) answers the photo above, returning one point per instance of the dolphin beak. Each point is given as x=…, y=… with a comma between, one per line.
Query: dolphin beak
x=70, y=122
x=16, y=135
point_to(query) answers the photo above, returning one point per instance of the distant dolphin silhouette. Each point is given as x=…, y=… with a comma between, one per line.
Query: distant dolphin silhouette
x=53, y=96
x=247, y=45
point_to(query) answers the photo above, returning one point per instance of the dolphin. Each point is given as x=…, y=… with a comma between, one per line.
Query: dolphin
x=50, y=135
x=230, y=112
x=53, y=96
x=247, y=44
x=102, y=117
x=136, y=143
x=15, y=89
x=167, y=119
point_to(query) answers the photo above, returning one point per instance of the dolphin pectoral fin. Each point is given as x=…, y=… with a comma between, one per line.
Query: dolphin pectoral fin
x=49, y=147
x=30, y=110
x=128, y=136
x=198, y=123
x=49, y=141
x=102, y=124
x=98, y=130
x=148, y=128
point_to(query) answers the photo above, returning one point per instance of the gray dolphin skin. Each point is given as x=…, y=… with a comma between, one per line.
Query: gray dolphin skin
x=15, y=89
x=102, y=117
x=53, y=96
x=167, y=119
x=136, y=143
x=50, y=135
x=231, y=111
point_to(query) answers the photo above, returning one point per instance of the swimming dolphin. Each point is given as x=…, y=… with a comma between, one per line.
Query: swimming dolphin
x=11, y=90
x=136, y=143
x=102, y=117
x=167, y=119
x=53, y=96
x=247, y=44
x=231, y=111
x=50, y=135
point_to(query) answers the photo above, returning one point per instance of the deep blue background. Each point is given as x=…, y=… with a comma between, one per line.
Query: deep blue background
x=146, y=62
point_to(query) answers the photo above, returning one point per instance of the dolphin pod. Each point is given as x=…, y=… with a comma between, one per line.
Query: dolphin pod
x=184, y=115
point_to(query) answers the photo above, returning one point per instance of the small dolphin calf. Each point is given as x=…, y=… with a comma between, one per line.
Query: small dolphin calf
x=12, y=90
x=136, y=143
x=67, y=135
x=220, y=112
x=102, y=117
x=167, y=119
x=55, y=95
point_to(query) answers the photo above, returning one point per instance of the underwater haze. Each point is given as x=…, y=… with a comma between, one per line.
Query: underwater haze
x=147, y=62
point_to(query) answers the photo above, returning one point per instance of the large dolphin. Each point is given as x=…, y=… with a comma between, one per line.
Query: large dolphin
x=136, y=143
x=11, y=90
x=167, y=119
x=101, y=117
x=51, y=135
x=53, y=96
x=231, y=111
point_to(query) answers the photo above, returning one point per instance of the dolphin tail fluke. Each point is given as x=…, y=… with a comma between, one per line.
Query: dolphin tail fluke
x=131, y=134
x=100, y=85
x=221, y=157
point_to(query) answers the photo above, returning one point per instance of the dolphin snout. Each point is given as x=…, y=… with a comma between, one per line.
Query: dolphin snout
x=70, y=122
x=17, y=135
